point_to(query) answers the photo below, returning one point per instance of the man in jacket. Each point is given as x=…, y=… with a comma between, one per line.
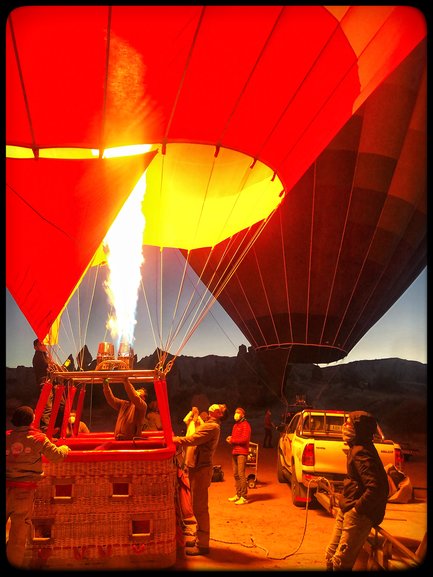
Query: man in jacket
x=24, y=449
x=365, y=493
x=240, y=441
x=206, y=439
x=131, y=413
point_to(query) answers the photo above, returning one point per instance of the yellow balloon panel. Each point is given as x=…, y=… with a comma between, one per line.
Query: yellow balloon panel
x=195, y=198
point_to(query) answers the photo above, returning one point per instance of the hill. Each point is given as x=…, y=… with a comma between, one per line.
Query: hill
x=394, y=390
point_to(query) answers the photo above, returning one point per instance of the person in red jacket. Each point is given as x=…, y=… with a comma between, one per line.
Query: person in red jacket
x=240, y=441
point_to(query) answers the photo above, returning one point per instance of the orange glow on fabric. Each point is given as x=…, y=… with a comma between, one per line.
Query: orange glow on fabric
x=42, y=401
x=58, y=394
x=68, y=406
x=163, y=406
x=79, y=410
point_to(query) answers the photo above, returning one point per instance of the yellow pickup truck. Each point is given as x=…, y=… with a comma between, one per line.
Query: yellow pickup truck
x=311, y=447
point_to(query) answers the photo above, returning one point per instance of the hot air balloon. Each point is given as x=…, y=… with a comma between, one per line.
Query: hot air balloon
x=346, y=242
x=238, y=104
x=238, y=101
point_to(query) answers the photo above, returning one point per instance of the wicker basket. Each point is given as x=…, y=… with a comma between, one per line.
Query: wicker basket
x=105, y=514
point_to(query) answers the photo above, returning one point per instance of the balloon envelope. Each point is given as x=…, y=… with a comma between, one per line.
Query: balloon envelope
x=239, y=101
x=347, y=240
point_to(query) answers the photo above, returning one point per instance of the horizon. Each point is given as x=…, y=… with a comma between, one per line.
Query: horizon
x=400, y=333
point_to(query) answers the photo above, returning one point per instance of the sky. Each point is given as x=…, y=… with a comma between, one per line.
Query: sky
x=400, y=333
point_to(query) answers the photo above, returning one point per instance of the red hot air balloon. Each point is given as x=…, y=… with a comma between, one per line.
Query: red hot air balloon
x=238, y=100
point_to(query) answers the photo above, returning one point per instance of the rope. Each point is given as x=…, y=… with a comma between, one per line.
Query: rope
x=268, y=556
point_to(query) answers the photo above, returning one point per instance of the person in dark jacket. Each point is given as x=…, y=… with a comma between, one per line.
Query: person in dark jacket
x=365, y=493
x=240, y=441
x=42, y=362
x=205, y=439
x=269, y=426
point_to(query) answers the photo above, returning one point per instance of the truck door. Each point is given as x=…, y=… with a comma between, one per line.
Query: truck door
x=288, y=439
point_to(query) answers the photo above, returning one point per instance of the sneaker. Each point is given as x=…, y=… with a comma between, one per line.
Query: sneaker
x=197, y=551
x=233, y=499
x=190, y=543
x=241, y=501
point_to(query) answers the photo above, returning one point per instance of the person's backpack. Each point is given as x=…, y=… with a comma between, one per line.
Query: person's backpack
x=217, y=473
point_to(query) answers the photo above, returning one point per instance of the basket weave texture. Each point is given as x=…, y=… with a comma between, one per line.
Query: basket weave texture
x=93, y=528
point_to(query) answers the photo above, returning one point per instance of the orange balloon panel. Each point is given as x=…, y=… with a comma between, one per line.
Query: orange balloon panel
x=347, y=240
x=57, y=214
x=272, y=83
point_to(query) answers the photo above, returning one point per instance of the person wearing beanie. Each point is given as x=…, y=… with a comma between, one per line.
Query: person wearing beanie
x=365, y=493
x=24, y=449
x=205, y=439
x=240, y=442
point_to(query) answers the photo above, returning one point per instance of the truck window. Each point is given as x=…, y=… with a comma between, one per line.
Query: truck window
x=292, y=425
x=317, y=424
x=313, y=424
x=334, y=423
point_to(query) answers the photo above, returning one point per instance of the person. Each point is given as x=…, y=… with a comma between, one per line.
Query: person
x=204, y=416
x=24, y=449
x=269, y=425
x=240, y=441
x=365, y=493
x=131, y=418
x=205, y=438
x=192, y=420
x=82, y=427
x=153, y=417
x=42, y=362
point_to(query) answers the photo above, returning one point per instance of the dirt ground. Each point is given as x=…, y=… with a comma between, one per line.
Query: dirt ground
x=269, y=533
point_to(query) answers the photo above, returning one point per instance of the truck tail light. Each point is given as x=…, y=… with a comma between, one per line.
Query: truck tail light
x=399, y=458
x=308, y=455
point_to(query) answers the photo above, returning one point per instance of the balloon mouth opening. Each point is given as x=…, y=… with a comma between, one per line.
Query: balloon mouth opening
x=306, y=352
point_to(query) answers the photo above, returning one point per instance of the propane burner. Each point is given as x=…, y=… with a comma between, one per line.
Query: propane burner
x=126, y=354
x=105, y=353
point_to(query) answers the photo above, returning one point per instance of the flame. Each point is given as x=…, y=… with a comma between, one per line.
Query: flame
x=123, y=247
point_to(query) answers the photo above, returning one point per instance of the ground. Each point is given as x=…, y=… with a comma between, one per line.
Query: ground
x=269, y=533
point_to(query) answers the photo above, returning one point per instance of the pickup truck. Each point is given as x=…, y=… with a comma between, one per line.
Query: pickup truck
x=311, y=447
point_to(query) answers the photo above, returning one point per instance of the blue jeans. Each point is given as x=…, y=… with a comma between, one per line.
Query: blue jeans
x=239, y=464
x=350, y=533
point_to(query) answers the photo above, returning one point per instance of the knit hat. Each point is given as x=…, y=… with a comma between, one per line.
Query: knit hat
x=22, y=416
x=241, y=411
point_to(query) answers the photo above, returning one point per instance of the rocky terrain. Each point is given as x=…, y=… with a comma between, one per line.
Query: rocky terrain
x=394, y=390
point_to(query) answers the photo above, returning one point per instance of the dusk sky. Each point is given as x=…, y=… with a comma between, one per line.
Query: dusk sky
x=401, y=332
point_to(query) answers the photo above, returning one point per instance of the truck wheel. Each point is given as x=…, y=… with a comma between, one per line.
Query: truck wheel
x=299, y=493
x=280, y=471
